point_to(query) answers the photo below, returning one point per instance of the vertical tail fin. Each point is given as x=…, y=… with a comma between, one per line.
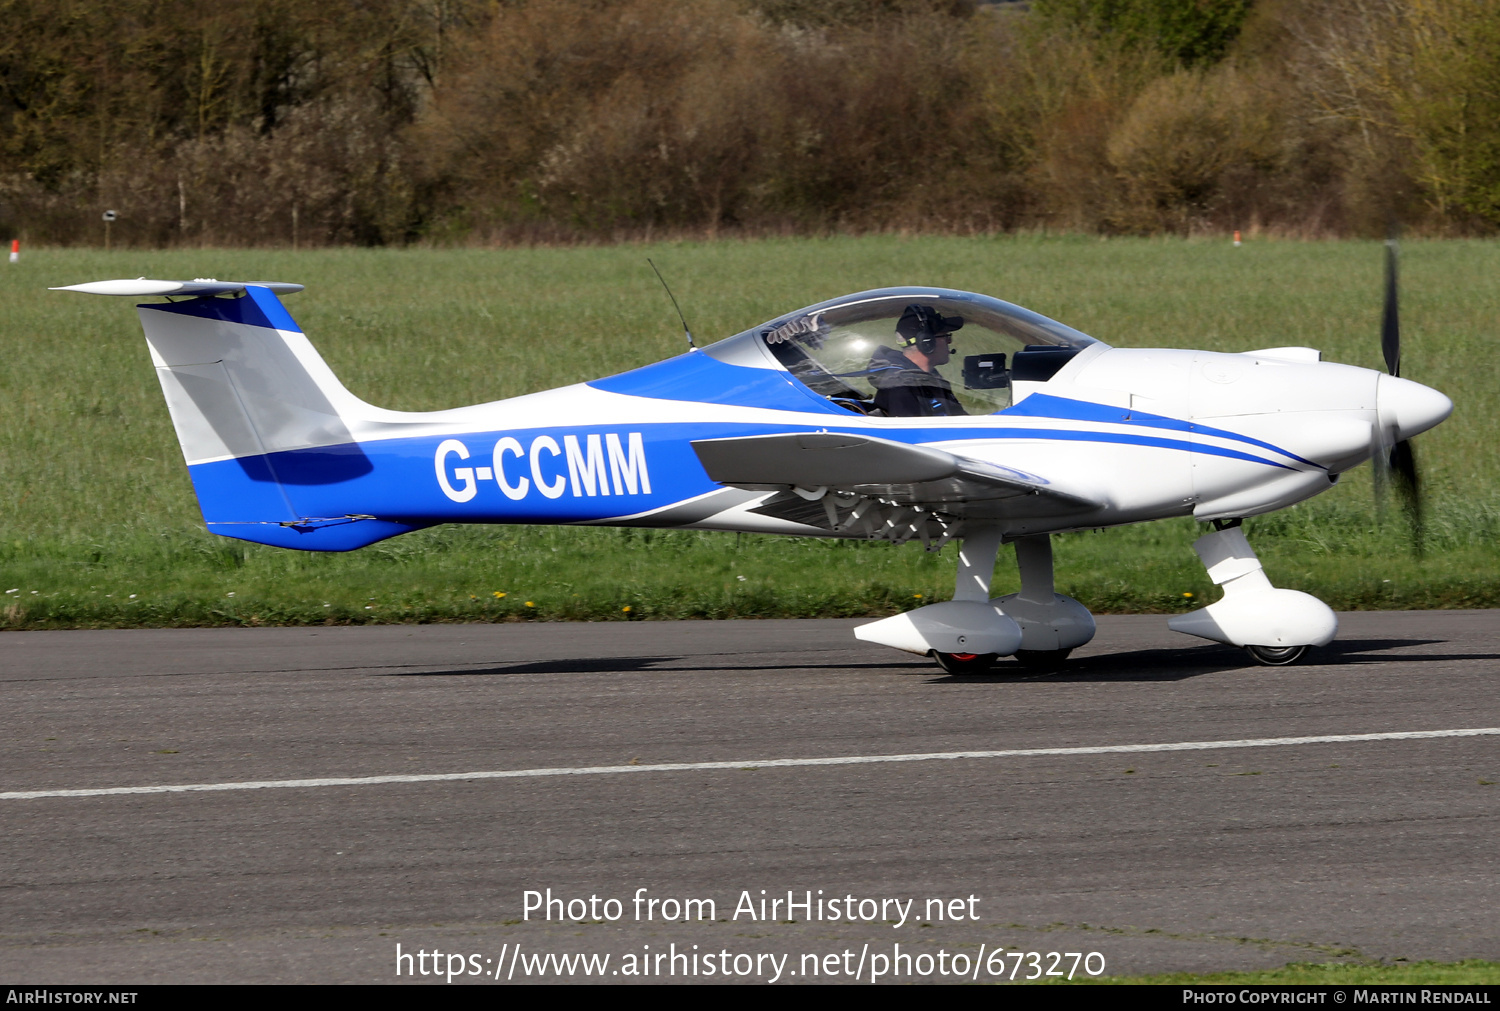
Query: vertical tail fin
x=264, y=424
x=242, y=380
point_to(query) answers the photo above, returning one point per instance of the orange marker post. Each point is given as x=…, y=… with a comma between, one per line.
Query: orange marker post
x=1236, y=238
x=15, y=250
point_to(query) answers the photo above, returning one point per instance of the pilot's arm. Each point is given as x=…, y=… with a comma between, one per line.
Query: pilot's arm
x=899, y=402
x=918, y=400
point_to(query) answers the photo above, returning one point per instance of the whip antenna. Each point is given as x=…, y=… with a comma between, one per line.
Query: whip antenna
x=685, y=331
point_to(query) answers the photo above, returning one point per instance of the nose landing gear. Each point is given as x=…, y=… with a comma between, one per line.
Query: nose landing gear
x=1275, y=626
x=1276, y=656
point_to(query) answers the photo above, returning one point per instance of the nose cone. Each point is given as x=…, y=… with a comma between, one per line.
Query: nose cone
x=1410, y=407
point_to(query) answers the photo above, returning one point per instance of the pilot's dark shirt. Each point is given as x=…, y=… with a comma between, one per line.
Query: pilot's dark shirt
x=903, y=390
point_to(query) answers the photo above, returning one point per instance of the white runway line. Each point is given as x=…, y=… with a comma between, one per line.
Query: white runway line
x=772, y=763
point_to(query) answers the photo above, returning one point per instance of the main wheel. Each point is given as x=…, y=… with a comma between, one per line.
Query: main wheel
x=965, y=663
x=1042, y=659
x=1276, y=656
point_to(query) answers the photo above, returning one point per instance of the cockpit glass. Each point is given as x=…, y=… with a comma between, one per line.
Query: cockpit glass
x=901, y=352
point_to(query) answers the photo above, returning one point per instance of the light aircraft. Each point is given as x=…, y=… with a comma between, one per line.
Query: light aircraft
x=790, y=427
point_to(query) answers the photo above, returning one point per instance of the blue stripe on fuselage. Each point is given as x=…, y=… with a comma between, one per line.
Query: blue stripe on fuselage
x=698, y=378
x=1044, y=405
x=1123, y=438
x=587, y=474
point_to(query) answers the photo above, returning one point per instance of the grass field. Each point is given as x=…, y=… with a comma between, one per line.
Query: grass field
x=98, y=525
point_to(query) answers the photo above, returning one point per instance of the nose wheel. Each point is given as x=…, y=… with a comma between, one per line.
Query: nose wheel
x=965, y=663
x=1276, y=656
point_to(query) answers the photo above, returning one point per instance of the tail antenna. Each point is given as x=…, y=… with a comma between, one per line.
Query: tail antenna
x=685, y=331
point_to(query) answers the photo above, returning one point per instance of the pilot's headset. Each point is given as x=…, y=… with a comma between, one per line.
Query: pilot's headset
x=922, y=325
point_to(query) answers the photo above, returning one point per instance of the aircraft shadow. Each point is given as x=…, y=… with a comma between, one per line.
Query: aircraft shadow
x=1181, y=663
x=632, y=664
x=1129, y=665
x=1155, y=664
x=1352, y=651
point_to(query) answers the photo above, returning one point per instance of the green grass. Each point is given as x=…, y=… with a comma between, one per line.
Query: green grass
x=1467, y=972
x=95, y=504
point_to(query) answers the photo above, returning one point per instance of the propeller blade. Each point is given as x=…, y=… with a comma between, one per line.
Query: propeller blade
x=1380, y=467
x=1390, y=320
x=1403, y=473
x=1380, y=470
x=1395, y=463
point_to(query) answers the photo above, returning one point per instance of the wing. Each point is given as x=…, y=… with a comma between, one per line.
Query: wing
x=807, y=467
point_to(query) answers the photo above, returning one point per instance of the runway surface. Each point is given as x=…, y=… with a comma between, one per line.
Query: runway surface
x=359, y=838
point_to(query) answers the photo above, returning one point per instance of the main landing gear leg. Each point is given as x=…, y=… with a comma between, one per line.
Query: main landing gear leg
x=976, y=564
x=1275, y=626
x=1052, y=625
x=966, y=634
x=976, y=567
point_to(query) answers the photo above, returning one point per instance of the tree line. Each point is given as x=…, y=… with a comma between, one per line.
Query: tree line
x=281, y=123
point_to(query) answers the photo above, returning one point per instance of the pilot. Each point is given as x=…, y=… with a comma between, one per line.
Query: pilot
x=907, y=383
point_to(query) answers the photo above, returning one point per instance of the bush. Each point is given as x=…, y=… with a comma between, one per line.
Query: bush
x=266, y=123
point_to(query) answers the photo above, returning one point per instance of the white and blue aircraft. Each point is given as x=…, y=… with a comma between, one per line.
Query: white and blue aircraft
x=830, y=421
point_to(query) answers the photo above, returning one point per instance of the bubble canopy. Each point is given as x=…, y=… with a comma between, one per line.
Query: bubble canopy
x=834, y=347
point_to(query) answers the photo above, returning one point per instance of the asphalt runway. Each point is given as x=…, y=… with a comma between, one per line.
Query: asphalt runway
x=1197, y=859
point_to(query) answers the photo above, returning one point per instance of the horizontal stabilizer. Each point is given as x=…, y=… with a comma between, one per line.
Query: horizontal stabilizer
x=895, y=471
x=142, y=287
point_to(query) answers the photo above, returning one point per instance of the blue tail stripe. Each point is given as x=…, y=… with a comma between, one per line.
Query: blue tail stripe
x=257, y=307
x=343, y=536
